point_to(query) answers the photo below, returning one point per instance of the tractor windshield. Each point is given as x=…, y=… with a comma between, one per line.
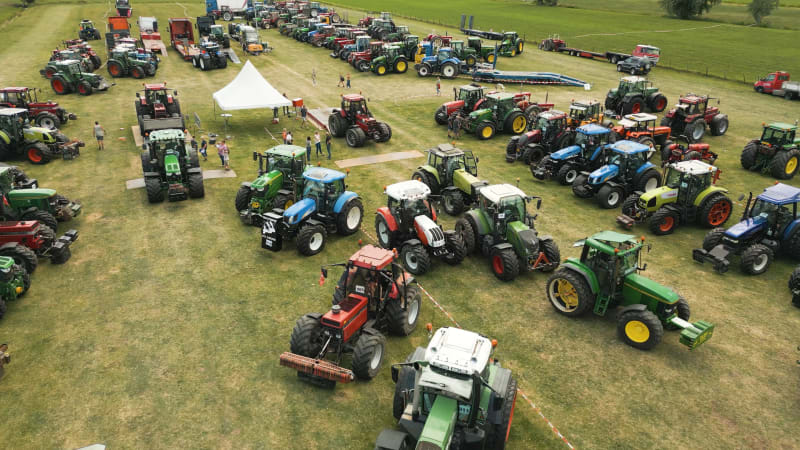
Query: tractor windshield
x=774, y=136
x=584, y=140
x=763, y=208
x=315, y=189
x=419, y=207
x=444, y=54
x=513, y=207
x=673, y=178
x=279, y=162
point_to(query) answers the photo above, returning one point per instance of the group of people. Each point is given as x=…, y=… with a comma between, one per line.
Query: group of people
x=454, y=124
x=289, y=140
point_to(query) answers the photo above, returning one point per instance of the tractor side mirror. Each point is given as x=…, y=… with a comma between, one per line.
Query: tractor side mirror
x=644, y=267
x=649, y=247
x=324, y=272
x=255, y=156
x=137, y=95
x=579, y=243
x=175, y=92
x=741, y=197
x=477, y=160
x=538, y=203
x=395, y=373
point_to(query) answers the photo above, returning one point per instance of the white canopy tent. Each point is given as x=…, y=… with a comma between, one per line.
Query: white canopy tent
x=249, y=90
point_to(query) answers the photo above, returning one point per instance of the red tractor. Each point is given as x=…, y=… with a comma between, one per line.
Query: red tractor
x=45, y=114
x=690, y=116
x=549, y=132
x=672, y=152
x=354, y=121
x=85, y=50
x=361, y=60
x=641, y=127
x=27, y=241
x=374, y=294
x=157, y=109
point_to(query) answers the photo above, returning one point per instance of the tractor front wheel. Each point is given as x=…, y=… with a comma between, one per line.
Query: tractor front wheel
x=243, y=196
x=48, y=120
x=311, y=239
x=580, y=186
x=84, y=88
x=569, y=293
x=640, y=329
x=114, y=69
x=368, y=354
x=696, y=130
x=566, y=174
x=485, y=130
x=337, y=125
x=154, y=192
x=756, y=259
x=456, y=250
x=385, y=234
x=715, y=210
x=403, y=321
x=784, y=165
x=43, y=217
x=634, y=105
x=415, y=258
x=630, y=206
x=551, y=253
x=516, y=123
x=719, y=125
x=664, y=221
x=713, y=238
x=449, y=70
x=355, y=137
x=37, y=153
x=466, y=227
x=306, y=337
x=498, y=436
x=424, y=70
x=349, y=218
x=504, y=264
x=683, y=311
x=405, y=383
x=22, y=256
x=610, y=196
x=385, y=132
x=453, y=202
x=137, y=72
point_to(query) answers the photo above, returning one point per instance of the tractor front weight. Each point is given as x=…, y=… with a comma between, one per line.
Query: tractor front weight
x=693, y=334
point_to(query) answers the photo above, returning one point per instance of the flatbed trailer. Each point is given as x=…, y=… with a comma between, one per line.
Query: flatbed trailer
x=469, y=31
x=181, y=35
x=556, y=44
x=488, y=73
x=149, y=35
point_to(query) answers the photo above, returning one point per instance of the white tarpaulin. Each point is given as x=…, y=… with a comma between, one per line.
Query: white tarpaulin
x=249, y=90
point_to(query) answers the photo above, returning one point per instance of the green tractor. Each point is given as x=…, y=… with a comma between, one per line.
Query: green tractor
x=41, y=204
x=409, y=46
x=123, y=62
x=451, y=173
x=689, y=195
x=512, y=44
x=499, y=112
x=504, y=231
x=464, y=53
x=37, y=144
x=216, y=33
x=170, y=166
x=776, y=153
x=487, y=52
x=607, y=276
x=70, y=78
x=280, y=178
x=87, y=31
x=391, y=59
x=634, y=95
x=450, y=395
x=14, y=282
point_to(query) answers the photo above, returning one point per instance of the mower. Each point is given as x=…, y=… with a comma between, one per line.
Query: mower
x=776, y=153
x=451, y=173
x=354, y=121
x=170, y=167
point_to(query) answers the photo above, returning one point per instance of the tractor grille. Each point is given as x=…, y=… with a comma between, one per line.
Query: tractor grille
x=438, y=236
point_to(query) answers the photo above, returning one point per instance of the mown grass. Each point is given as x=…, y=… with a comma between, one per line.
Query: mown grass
x=164, y=329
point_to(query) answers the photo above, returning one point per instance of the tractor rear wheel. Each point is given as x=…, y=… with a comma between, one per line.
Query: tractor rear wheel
x=114, y=69
x=282, y=201
x=306, y=337
x=154, y=192
x=84, y=88
x=453, y=202
x=566, y=174
x=204, y=62
x=386, y=236
x=533, y=154
x=610, y=196
x=402, y=322
x=633, y=105
x=715, y=210
x=311, y=239
x=59, y=85
x=363, y=66
x=48, y=120
x=648, y=180
x=749, y=155
x=485, y=130
x=196, y=189
x=37, y=153
x=337, y=125
x=578, y=184
x=784, y=165
x=504, y=263
x=792, y=245
x=349, y=218
x=569, y=293
x=22, y=256
x=137, y=72
x=368, y=354
x=441, y=115
x=415, y=258
x=650, y=142
x=43, y=217
x=719, y=125
x=695, y=130
x=449, y=70
x=682, y=310
x=713, y=238
x=497, y=438
x=657, y=102
x=468, y=230
x=664, y=221
x=640, y=329
x=516, y=123
x=355, y=137
x=429, y=180
x=756, y=259
x=532, y=112
x=456, y=249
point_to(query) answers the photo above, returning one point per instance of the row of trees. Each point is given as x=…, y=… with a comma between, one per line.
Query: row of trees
x=687, y=9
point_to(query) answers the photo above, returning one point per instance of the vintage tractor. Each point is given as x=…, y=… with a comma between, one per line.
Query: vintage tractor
x=373, y=295
x=549, y=132
x=210, y=57
x=503, y=231
x=28, y=240
x=691, y=115
x=641, y=128
x=50, y=69
x=443, y=62
x=38, y=145
x=677, y=151
x=776, y=153
x=584, y=112
x=14, y=282
x=171, y=167
x=465, y=100
x=361, y=60
x=451, y=173
x=769, y=226
x=689, y=195
x=391, y=60
x=279, y=182
x=498, y=113
x=794, y=286
x=408, y=223
x=87, y=31
x=487, y=52
x=354, y=121
x=70, y=78
x=157, y=109
x=325, y=207
x=512, y=44
x=634, y=95
x=43, y=205
x=122, y=63
x=585, y=155
x=452, y=394
x=46, y=114
x=626, y=171
x=607, y=277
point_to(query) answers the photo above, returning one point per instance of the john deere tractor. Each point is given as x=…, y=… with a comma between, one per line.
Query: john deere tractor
x=87, y=31
x=512, y=44
x=585, y=155
x=498, y=113
x=776, y=153
x=123, y=62
x=44, y=205
x=769, y=226
x=689, y=195
x=280, y=178
x=391, y=59
x=14, y=282
x=452, y=394
x=38, y=145
x=451, y=173
x=502, y=230
x=171, y=167
x=486, y=52
x=70, y=78
x=634, y=95
x=606, y=277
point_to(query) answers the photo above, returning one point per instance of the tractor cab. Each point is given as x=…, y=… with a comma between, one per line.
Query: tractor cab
x=355, y=105
x=162, y=143
x=447, y=160
x=86, y=25
x=639, y=122
x=290, y=160
x=505, y=204
x=444, y=54
x=156, y=95
x=17, y=97
x=470, y=94
x=612, y=257
x=408, y=200
x=627, y=156
x=779, y=134
x=583, y=112
x=692, y=105
x=550, y=123
x=321, y=185
x=217, y=31
x=12, y=123
x=632, y=84
x=689, y=178
x=591, y=138
x=776, y=208
x=510, y=36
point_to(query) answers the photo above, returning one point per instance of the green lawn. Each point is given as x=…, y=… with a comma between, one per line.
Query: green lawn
x=164, y=329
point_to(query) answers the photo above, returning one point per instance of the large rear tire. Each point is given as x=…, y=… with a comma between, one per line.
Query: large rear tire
x=196, y=189
x=466, y=228
x=569, y=293
x=609, y=197
x=784, y=165
x=23, y=256
x=715, y=210
x=429, y=180
x=713, y=238
x=355, y=137
x=664, y=221
x=441, y=115
x=44, y=217
x=243, y=196
x=516, y=123
x=415, y=258
x=648, y=180
x=456, y=248
x=453, y=202
x=756, y=259
x=504, y=264
x=154, y=192
x=385, y=235
x=497, y=438
x=337, y=125
x=749, y=155
x=349, y=218
x=37, y=153
x=306, y=337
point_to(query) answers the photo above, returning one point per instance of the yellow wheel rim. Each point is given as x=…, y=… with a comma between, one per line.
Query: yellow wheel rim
x=486, y=132
x=381, y=70
x=513, y=52
x=288, y=204
x=637, y=331
x=401, y=66
x=567, y=294
x=791, y=165
x=519, y=124
x=490, y=58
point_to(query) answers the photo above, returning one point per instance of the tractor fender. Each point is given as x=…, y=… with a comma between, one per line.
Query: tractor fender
x=431, y=171
x=411, y=242
x=388, y=217
x=791, y=229
x=4, y=137
x=315, y=316
x=194, y=170
x=644, y=167
x=706, y=192
x=636, y=307
x=583, y=271
x=246, y=184
x=566, y=153
x=151, y=175
x=478, y=220
x=343, y=200
x=370, y=331
x=503, y=246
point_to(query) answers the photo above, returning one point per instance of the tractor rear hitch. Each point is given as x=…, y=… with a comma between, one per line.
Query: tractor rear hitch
x=718, y=256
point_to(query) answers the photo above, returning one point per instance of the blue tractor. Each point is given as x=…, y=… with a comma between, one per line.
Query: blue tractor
x=625, y=172
x=443, y=62
x=769, y=225
x=361, y=44
x=326, y=207
x=586, y=155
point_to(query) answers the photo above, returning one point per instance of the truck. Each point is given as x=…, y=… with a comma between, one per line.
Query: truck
x=556, y=44
x=149, y=35
x=181, y=36
x=228, y=9
x=777, y=83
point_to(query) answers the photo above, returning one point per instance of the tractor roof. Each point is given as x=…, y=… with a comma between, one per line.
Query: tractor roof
x=290, y=151
x=155, y=86
x=640, y=117
x=66, y=62
x=629, y=147
x=693, y=98
x=446, y=150
x=552, y=114
x=694, y=167
x=353, y=97
x=500, y=96
x=582, y=105
x=14, y=89
x=323, y=175
x=470, y=87
x=496, y=192
x=408, y=190
x=633, y=79
x=458, y=351
x=164, y=135
x=12, y=111
x=593, y=129
x=372, y=257
x=781, y=194
x=612, y=237
x=783, y=126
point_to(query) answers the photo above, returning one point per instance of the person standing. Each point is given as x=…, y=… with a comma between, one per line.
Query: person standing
x=457, y=126
x=303, y=115
x=308, y=148
x=285, y=108
x=438, y=86
x=99, y=134
x=328, y=144
x=348, y=81
x=450, y=126
x=222, y=149
x=341, y=80
x=289, y=138
x=204, y=149
x=317, y=144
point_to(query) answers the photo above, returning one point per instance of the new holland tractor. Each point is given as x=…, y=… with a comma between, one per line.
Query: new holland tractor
x=777, y=152
x=607, y=277
x=14, y=282
x=501, y=228
x=355, y=123
x=770, y=225
x=374, y=295
x=37, y=144
x=444, y=63
x=626, y=170
x=41, y=204
x=586, y=155
x=171, y=167
x=689, y=195
x=498, y=113
x=452, y=394
x=451, y=173
x=408, y=223
x=279, y=181
x=634, y=95
x=325, y=207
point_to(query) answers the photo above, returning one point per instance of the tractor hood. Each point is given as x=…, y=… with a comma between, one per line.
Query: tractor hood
x=38, y=134
x=266, y=179
x=524, y=239
x=299, y=211
x=648, y=287
x=746, y=227
x=665, y=193
x=454, y=105
x=31, y=194
x=171, y=164
x=566, y=153
x=603, y=174
x=429, y=232
x=480, y=114
x=439, y=425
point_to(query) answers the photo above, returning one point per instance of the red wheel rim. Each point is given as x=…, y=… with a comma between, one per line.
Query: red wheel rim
x=58, y=86
x=636, y=108
x=82, y=88
x=666, y=224
x=34, y=155
x=497, y=264
x=662, y=103
x=719, y=213
x=114, y=69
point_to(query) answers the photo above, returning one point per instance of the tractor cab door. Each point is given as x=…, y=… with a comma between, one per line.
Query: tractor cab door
x=785, y=215
x=332, y=193
x=470, y=163
x=690, y=186
x=603, y=265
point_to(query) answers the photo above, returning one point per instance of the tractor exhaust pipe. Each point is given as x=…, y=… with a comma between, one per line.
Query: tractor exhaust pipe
x=316, y=367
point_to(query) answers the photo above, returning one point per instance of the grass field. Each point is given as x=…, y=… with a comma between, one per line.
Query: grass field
x=164, y=329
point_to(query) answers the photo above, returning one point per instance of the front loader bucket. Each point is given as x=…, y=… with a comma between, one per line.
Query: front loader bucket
x=694, y=334
x=316, y=367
